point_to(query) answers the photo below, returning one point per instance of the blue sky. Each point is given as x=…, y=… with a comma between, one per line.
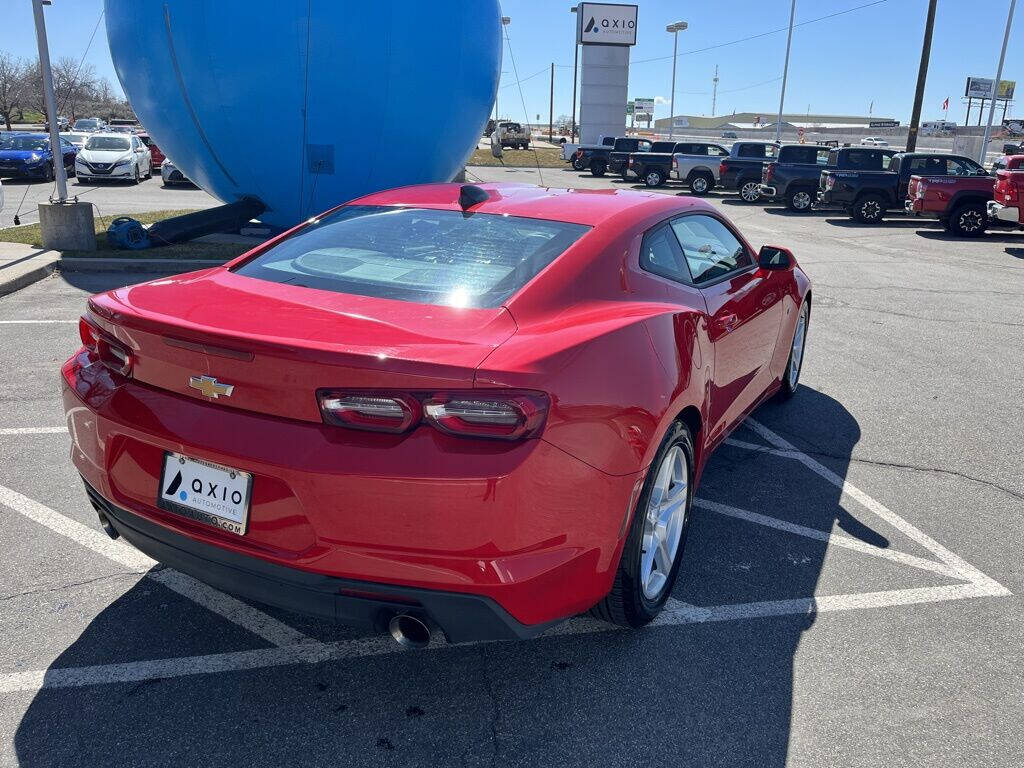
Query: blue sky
x=838, y=65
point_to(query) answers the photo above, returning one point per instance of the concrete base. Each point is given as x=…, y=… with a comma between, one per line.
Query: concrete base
x=67, y=226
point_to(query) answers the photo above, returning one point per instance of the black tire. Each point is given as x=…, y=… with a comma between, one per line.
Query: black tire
x=789, y=382
x=654, y=177
x=136, y=179
x=626, y=604
x=701, y=183
x=968, y=220
x=526, y=145
x=578, y=165
x=749, y=192
x=800, y=200
x=869, y=209
x=598, y=167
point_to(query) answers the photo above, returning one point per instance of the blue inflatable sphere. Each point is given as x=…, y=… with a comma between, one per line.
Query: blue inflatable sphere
x=305, y=104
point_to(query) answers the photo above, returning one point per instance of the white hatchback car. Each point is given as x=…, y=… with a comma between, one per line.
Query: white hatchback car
x=114, y=156
x=873, y=141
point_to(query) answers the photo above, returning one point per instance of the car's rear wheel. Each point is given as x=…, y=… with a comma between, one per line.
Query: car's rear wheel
x=657, y=536
x=968, y=220
x=799, y=200
x=749, y=191
x=700, y=183
x=869, y=209
x=654, y=178
x=578, y=165
x=791, y=376
x=598, y=167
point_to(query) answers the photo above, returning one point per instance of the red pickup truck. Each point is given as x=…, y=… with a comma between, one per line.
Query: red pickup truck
x=958, y=200
x=1007, y=205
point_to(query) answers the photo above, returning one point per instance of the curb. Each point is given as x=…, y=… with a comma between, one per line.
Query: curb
x=137, y=265
x=27, y=278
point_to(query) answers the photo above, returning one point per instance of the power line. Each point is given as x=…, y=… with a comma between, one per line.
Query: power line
x=81, y=62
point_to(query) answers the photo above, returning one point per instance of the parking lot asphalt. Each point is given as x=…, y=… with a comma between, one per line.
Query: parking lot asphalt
x=849, y=594
x=22, y=196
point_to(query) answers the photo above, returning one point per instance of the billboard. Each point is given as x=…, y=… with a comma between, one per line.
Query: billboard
x=606, y=24
x=981, y=88
x=643, y=107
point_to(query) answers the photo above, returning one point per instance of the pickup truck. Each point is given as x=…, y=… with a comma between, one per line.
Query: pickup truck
x=958, y=201
x=741, y=170
x=1007, y=205
x=513, y=135
x=699, y=166
x=794, y=176
x=699, y=161
x=868, y=194
x=569, y=150
x=614, y=158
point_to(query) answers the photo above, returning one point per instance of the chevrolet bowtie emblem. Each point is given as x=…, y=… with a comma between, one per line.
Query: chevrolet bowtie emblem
x=210, y=387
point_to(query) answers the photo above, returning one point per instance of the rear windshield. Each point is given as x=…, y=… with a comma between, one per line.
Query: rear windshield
x=416, y=254
x=106, y=143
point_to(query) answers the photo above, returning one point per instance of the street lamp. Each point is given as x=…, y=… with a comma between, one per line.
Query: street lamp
x=504, y=23
x=675, y=29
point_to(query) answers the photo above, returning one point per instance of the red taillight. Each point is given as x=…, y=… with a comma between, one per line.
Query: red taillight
x=88, y=333
x=579, y=154
x=830, y=181
x=376, y=412
x=722, y=168
x=112, y=353
x=470, y=413
x=769, y=171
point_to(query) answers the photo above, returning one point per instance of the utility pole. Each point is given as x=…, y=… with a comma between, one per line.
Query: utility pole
x=785, y=71
x=551, y=107
x=50, y=100
x=714, y=91
x=995, y=84
x=922, y=77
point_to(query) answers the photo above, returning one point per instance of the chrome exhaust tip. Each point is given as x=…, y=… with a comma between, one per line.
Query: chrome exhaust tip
x=409, y=631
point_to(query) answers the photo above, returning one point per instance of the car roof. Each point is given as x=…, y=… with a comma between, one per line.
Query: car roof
x=578, y=206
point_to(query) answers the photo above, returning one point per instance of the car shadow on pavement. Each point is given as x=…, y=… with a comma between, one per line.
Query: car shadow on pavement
x=811, y=214
x=891, y=223
x=689, y=692
x=991, y=236
x=1017, y=253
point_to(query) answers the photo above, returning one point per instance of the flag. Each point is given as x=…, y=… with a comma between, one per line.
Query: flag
x=945, y=104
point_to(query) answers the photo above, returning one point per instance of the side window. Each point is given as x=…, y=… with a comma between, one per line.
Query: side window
x=710, y=249
x=886, y=160
x=719, y=151
x=660, y=254
x=917, y=165
x=751, y=150
x=821, y=158
x=956, y=168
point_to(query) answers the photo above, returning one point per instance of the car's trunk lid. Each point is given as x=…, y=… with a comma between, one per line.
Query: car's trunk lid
x=277, y=344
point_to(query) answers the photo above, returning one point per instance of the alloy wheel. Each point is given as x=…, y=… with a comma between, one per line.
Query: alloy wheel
x=699, y=184
x=664, y=521
x=802, y=201
x=970, y=221
x=749, y=192
x=653, y=179
x=870, y=210
x=797, y=352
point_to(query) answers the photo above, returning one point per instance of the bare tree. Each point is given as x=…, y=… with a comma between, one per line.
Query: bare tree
x=14, y=85
x=73, y=83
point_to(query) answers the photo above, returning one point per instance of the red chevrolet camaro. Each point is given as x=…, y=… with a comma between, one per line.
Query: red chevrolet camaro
x=473, y=409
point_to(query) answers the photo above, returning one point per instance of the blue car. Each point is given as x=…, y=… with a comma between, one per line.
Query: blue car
x=28, y=155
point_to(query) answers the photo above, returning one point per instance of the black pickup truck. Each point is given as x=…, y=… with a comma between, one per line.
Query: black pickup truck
x=867, y=194
x=794, y=177
x=614, y=158
x=741, y=170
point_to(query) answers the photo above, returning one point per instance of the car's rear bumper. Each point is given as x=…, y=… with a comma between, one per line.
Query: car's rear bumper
x=767, y=191
x=523, y=524
x=462, y=617
x=1000, y=212
x=915, y=207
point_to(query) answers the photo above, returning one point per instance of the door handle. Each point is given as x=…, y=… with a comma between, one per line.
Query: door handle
x=728, y=321
x=768, y=300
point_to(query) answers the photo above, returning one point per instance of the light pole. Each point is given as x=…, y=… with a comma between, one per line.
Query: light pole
x=995, y=85
x=675, y=29
x=50, y=100
x=575, y=69
x=504, y=23
x=785, y=71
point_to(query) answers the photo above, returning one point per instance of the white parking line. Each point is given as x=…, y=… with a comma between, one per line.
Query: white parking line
x=242, y=614
x=33, y=430
x=675, y=613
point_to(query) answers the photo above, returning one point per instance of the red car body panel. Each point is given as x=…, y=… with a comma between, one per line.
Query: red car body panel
x=536, y=525
x=1008, y=192
x=937, y=196
x=154, y=150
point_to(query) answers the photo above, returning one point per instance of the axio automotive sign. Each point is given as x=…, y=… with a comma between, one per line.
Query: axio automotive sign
x=606, y=24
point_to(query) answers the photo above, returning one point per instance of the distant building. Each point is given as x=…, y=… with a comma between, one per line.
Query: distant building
x=748, y=120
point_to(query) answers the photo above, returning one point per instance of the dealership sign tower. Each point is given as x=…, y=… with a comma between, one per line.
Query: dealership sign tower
x=606, y=32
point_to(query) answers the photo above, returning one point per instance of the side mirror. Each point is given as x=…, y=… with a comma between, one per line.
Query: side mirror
x=775, y=257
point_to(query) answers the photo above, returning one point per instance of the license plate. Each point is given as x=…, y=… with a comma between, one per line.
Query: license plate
x=205, y=492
